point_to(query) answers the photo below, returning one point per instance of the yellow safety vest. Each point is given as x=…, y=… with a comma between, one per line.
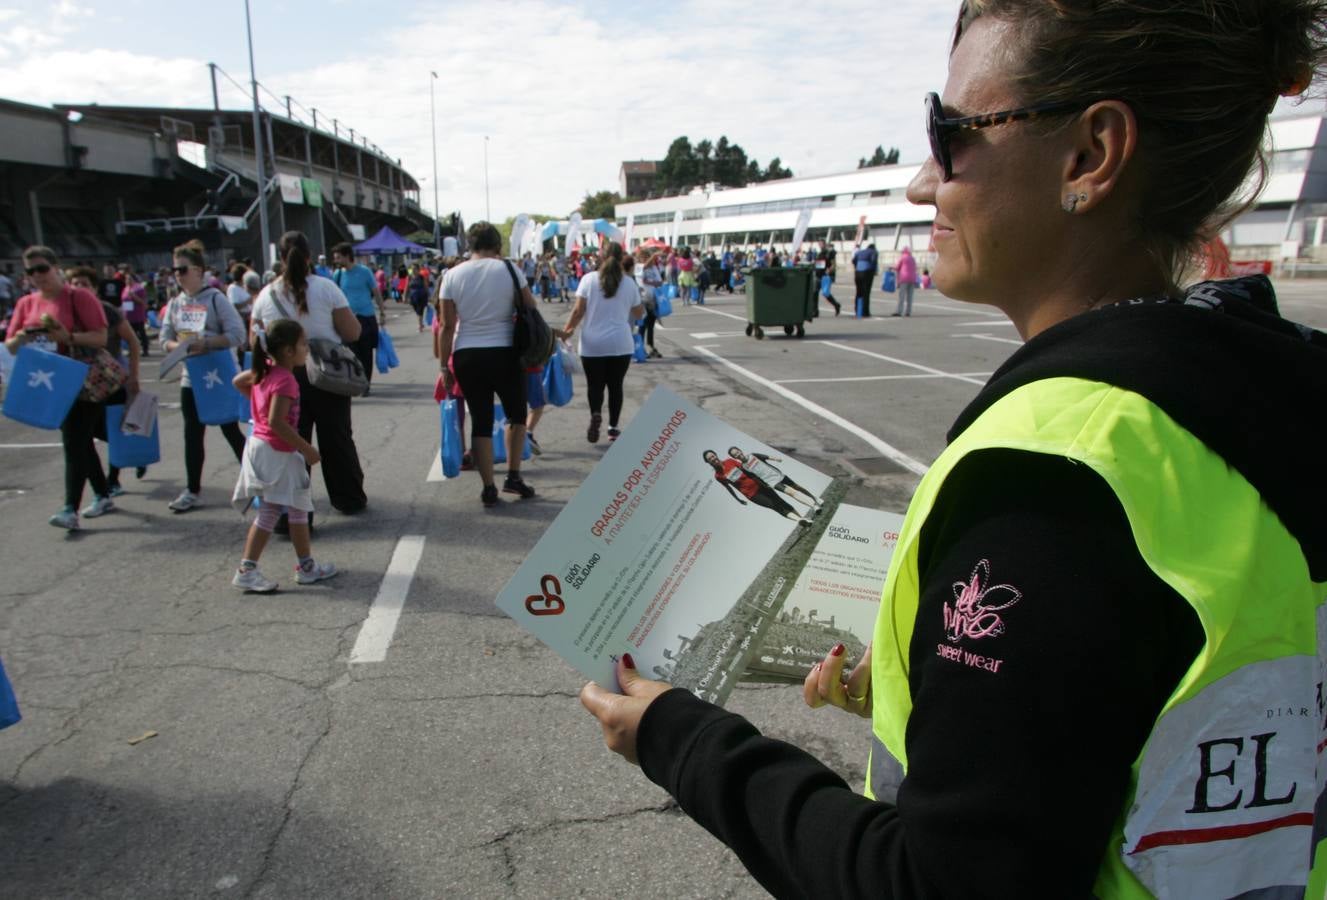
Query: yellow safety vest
x=1222, y=796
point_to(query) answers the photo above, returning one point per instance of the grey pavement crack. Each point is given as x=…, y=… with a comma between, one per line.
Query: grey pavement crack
x=502, y=841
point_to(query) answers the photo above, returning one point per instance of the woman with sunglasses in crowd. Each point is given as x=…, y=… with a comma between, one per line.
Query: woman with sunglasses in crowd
x=201, y=317
x=1097, y=666
x=55, y=317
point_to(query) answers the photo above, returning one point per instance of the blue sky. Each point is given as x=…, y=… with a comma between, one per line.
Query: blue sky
x=564, y=90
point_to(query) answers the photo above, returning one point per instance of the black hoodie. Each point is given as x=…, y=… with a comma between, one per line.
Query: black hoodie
x=1019, y=761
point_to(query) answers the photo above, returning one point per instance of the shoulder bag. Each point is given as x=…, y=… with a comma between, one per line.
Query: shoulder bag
x=531, y=338
x=105, y=374
x=332, y=366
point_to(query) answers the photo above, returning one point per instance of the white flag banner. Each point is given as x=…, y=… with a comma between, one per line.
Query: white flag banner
x=574, y=232
x=533, y=243
x=799, y=231
x=677, y=228
x=631, y=227
x=518, y=230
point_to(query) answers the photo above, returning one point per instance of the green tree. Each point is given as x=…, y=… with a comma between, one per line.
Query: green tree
x=600, y=205
x=880, y=158
x=776, y=171
x=679, y=168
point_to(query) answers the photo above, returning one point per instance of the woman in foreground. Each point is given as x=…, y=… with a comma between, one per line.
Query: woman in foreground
x=1096, y=668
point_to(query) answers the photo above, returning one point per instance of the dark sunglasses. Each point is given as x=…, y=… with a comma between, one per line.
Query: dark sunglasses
x=39, y=269
x=180, y=270
x=940, y=130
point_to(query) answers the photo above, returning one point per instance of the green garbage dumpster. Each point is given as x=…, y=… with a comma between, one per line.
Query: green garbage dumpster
x=780, y=297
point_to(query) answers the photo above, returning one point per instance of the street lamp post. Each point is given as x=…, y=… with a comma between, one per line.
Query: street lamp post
x=433, y=121
x=263, y=228
x=488, y=209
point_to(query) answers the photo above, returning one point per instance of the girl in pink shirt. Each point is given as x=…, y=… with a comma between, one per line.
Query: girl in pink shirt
x=276, y=460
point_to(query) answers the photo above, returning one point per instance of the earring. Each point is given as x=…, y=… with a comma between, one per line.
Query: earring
x=1070, y=203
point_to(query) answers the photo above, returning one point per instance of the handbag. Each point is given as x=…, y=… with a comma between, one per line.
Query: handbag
x=451, y=440
x=332, y=366
x=532, y=339
x=105, y=374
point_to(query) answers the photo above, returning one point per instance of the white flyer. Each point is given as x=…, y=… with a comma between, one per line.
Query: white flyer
x=673, y=550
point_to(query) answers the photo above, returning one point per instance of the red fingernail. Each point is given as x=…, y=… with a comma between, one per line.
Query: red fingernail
x=837, y=651
x=628, y=661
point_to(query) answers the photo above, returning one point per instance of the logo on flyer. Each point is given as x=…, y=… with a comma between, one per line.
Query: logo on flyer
x=549, y=602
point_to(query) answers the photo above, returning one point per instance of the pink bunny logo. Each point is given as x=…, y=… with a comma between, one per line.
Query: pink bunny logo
x=975, y=609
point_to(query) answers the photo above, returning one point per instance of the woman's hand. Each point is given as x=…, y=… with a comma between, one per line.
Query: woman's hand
x=311, y=454
x=131, y=387
x=828, y=684
x=198, y=348
x=60, y=334
x=619, y=715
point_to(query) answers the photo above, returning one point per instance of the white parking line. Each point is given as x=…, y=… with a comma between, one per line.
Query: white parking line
x=719, y=312
x=902, y=362
x=711, y=335
x=876, y=378
x=887, y=450
x=986, y=324
x=989, y=337
x=29, y=446
x=375, y=635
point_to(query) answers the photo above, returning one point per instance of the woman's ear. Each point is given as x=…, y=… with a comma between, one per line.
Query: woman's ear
x=1104, y=142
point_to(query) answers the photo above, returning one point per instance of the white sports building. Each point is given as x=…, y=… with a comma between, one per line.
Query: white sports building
x=1288, y=222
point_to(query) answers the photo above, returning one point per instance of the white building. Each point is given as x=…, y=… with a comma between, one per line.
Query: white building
x=1291, y=208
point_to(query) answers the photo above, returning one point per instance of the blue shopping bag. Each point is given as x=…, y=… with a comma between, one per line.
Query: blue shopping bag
x=42, y=387
x=130, y=451
x=152, y=319
x=500, y=437
x=9, y=713
x=890, y=283
x=387, y=349
x=451, y=440
x=245, y=406
x=428, y=315
x=557, y=381
x=381, y=360
x=663, y=306
x=639, y=353
x=670, y=291
x=860, y=304
x=696, y=296
x=210, y=375
x=826, y=285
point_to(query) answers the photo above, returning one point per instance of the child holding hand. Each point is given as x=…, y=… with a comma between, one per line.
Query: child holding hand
x=276, y=458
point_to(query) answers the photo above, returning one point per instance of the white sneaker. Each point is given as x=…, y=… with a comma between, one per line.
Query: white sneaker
x=318, y=572
x=98, y=507
x=253, y=582
x=66, y=519
x=185, y=502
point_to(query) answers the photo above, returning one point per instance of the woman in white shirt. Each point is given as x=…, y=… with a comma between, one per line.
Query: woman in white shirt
x=607, y=301
x=320, y=307
x=479, y=300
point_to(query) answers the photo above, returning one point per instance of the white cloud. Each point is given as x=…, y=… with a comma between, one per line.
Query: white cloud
x=566, y=96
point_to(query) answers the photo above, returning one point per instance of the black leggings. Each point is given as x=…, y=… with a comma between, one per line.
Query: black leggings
x=647, y=328
x=193, y=440
x=483, y=372
x=82, y=465
x=767, y=498
x=605, y=372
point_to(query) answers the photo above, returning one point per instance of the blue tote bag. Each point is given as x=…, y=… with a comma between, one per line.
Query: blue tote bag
x=890, y=284
x=639, y=353
x=9, y=713
x=663, y=305
x=557, y=381
x=130, y=451
x=245, y=407
x=451, y=440
x=211, y=374
x=826, y=285
x=387, y=350
x=500, y=437
x=381, y=360
x=428, y=316
x=42, y=387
